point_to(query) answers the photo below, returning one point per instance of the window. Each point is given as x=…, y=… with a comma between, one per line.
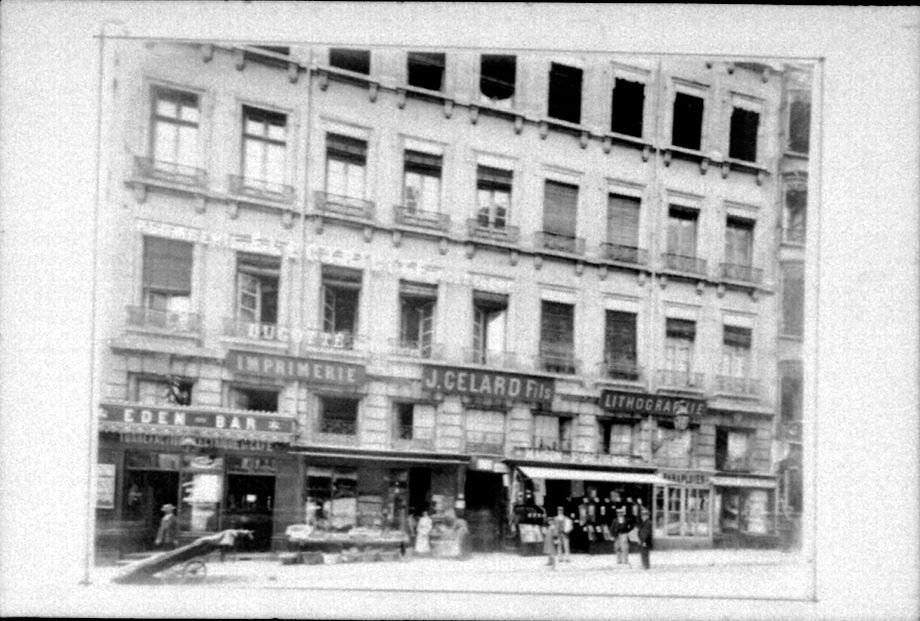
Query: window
x=253, y=399
x=169, y=391
x=264, y=145
x=552, y=433
x=679, y=337
x=794, y=213
x=493, y=196
x=485, y=431
x=565, y=93
x=497, y=76
x=341, y=289
x=682, y=232
x=257, y=287
x=790, y=392
x=620, y=345
x=560, y=207
x=175, y=127
x=799, y=121
x=742, y=141
x=404, y=415
x=416, y=314
x=421, y=182
x=616, y=438
x=736, y=351
x=733, y=450
x=167, y=278
x=687, y=128
x=338, y=415
x=739, y=241
x=358, y=61
x=628, y=103
x=331, y=497
x=426, y=70
x=490, y=314
x=793, y=298
x=346, y=159
x=623, y=227
x=557, y=337
x=413, y=422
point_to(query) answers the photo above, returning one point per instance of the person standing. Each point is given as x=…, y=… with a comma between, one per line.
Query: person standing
x=550, y=542
x=423, y=534
x=169, y=528
x=621, y=528
x=563, y=528
x=645, y=536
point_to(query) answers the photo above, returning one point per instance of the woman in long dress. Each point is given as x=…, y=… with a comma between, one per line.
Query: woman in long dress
x=422, y=534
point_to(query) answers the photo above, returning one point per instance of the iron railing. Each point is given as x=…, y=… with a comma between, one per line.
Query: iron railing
x=621, y=369
x=260, y=188
x=171, y=172
x=552, y=443
x=554, y=242
x=557, y=358
x=337, y=426
x=738, y=385
x=669, y=378
x=484, y=442
x=416, y=349
x=501, y=359
x=624, y=254
x=682, y=263
x=148, y=318
x=504, y=234
x=344, y=206
x=743, y=273
x=406, y=216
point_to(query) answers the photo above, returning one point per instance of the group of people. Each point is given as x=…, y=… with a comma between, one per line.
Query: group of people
x=624, y=529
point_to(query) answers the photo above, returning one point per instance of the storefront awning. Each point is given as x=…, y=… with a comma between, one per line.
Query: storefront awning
x=572, y=474
x=720, y=481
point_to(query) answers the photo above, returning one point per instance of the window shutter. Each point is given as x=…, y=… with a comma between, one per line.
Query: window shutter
x=620, y=336
x=557, y=323
x=423, y=163
x=168, y=265
x=560, y=205
x=346, y=148
x=623, y=220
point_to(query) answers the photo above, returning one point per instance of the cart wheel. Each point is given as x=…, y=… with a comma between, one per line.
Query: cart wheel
x=194, y=571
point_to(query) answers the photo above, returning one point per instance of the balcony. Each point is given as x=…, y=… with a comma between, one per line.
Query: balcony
x=407, y=216
x=342, y=340
x=413, y=437
x=489, y=358
x=495, y=234
x=740, y=386
x=260, y=189
x=553, y=242
x=624, y=254
x=483, y=442
x=794, y=235
x=336, y=431
x=557, y=358
x=739, y=464
x=620, y=369
x=166, y=321
x=345, y=206
x=742, y=273
x=416, y=349
x=685, y=264
x=169, y=172
x=680, y=380
x=552, y=443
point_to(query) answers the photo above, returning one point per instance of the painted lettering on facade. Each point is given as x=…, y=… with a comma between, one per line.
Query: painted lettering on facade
x=288, y=367
x=639, y=403
x=457, y=381
x=169, y=417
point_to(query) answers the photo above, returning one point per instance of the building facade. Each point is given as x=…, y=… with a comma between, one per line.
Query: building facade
x=351, y=285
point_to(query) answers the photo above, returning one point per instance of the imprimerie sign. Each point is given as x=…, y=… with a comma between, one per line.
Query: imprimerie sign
x=491, y=384
x=639, y=403
x=291, y=368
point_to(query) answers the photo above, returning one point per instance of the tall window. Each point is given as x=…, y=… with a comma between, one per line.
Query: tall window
x=170, y=391
x=793, y=299
x=175, y=127
x=682, y=232
x=497, y=75
x=560, y=207
x=417, y=304
x=742, y=141
x=687, y=128
x=257, y=287
x=739, y=241
x=678, y=347
x=620, y=345
x=557, y=337
x=341, y=290
x=426, y=70
x=733, y=450
x=404, y=415
x=628, y=103
x=257, y=399
x=346, y=160
x=552, y=432
x=565, y=93
x=794, y=210
x=264, y=144
x=623, y=226
x=422, y=182
x=358, y=61
x=167, y=278
x=493, y=196
x=736, y=351
x=490, y=316
x=616, y=438
x=338, y=415
x=799, y=121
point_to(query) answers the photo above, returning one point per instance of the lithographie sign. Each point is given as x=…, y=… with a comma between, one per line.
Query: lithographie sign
x=640, y=403
x=492, y=384
x=175, y=417
x=291, y=368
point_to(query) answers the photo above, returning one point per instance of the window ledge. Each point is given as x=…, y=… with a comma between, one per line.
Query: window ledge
x=259, y=344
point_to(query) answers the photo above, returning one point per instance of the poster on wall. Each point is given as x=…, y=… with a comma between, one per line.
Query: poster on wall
x=105, y=486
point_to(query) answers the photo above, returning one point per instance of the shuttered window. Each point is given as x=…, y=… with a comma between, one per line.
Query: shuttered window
x=739, y=241
x=560, y=207
x=557, y=323
x=168, y=266
x=623, y=220
x=682, y=232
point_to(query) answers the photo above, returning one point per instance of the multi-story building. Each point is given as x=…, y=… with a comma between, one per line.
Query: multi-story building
x=349, y=285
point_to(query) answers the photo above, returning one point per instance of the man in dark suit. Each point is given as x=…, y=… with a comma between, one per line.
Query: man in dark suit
x=645, y=537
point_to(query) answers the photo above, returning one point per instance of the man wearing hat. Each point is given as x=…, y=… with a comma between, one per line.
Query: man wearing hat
x=645, y=536
x=166, y=536
x=621, y=527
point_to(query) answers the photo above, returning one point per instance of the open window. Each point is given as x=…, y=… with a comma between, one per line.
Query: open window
x=687, y=126
x=250, y=398
x=417, y=304
x=257, y=287
x=357, y=61
x=426, y=70
x=565, y=93
x=742, y=144
x=341, y=290
x=627, y=107
x=497, y=77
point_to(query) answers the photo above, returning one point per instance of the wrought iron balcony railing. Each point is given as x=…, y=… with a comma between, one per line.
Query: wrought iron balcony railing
x=483, y=231
x=253, y=330
x=554, y=242
x=621, y=369
x=552, y=443
x=501, y=359
x=668, y=378
x=337, y=426
x=624, y=254
x=682, y=263
x=738, y=385
x=170, y=172
x=416, y=349
x=344, y=206
x=406, y=216
x=148, y=318
x=739, y=464
x=557, y=358
x=484, y=442
x=260, y=188
x=743, y=273
x=794, y=235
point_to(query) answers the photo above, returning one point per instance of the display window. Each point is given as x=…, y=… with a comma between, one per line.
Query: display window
x=682, y=511
x=742, y=510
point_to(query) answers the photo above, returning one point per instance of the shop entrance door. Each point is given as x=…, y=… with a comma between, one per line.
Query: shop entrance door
x=250, y=500
x=146, y=491
x=419, y=491
x=483, y=492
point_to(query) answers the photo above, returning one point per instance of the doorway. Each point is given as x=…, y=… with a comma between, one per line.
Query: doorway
x=250, y=502
x=484, y=493
x=419, y=491
x=146, y=491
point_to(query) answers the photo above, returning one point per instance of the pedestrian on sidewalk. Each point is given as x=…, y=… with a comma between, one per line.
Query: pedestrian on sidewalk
x=563, y=528
x=169, y=527
x=621, y=528
x=423, y=534
x=645, y=537
x=551, y=542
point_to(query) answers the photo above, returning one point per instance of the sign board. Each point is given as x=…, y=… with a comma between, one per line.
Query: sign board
x=491, y=384
x=176, y=417
x=640, y=403
x=291, y=368
x=105, y=486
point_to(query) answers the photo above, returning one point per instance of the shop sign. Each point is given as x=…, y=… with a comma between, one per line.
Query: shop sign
x=492, y=384
x=105, y=486
x=173, y=417
x=641, y=403
x=291, y=368
x=686, y=478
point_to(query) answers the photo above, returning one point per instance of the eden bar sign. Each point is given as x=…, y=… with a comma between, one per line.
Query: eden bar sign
x=456, y=381
x=173, y=417
x=290, y=368
x=638, y=403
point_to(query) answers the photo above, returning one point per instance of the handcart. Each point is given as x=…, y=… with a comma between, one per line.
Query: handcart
x=189, y=559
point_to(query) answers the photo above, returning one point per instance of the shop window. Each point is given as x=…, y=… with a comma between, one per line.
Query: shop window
x=799, y=121
x=264, y=145
x=736, y=352
x=332, y=497
x=243, y=398
x=628, y=103
x=426, y=70
x=742, y=141
x=490, y=315
x=257, y=287
x=493, y=197
x=739, y=241
x=341, y=289
x=169, y=391
x=687, y=128
x=793, y=295
x=497, y=77
x=417, y=304
x=557, y=337
x=796, y=199
x=560, y=208
x=733, y=450
x=552, y=432
x=682, y=225
x=681, y=511
x=338, y=415
x=620, y=345
x=790, y=392
x=744, y=510
x=421, y=182
x=167, y=277
x=357, y=61
x=623, y=226
x=616, y=438
x=565, y=93
x=346, y=162
x=174, y=135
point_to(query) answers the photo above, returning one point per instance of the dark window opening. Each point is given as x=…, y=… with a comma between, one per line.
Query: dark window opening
x=358, y=61
x=791, y=394
x=620, y=345
x=338, y=415
x=416, y=326
x=628, y=103
x=565, y=93
x=497, y=76
x=687, y=128
x=254, y=399
x=404, y=421
x=426, y=70
x=557, y=337
x=742, y=143
x=799, y=125
x=257, y=287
